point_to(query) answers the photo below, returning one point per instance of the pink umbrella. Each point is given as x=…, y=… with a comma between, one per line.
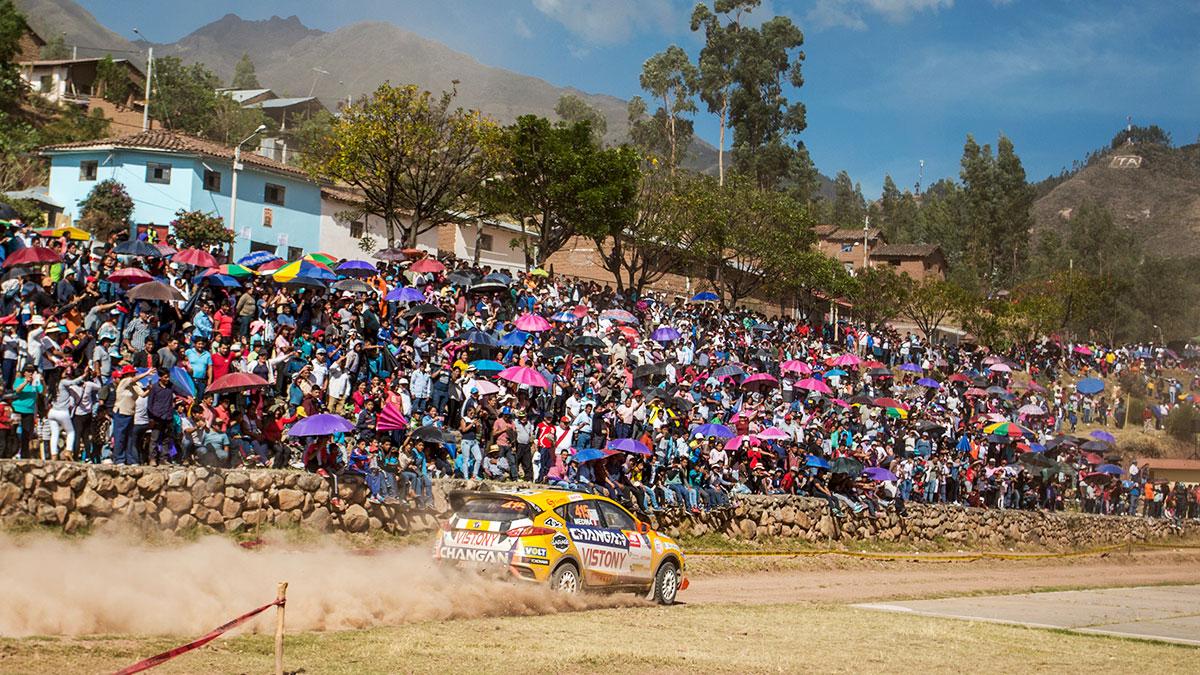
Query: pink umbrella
x=794, y=366
x=195, y=257
x=1083, y=349
x=483, y=387
x=532, y=323
x=130, y=276
x=760, y=382
x=736, y=442
x=813, y=384
x=847, y=360
x=999, y=368
x=773, y=434
x=524, y=375
x=1031, y=409
x=840, y=403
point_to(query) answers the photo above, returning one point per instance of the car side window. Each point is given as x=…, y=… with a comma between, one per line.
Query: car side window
x=615, y=517
x=581, y=513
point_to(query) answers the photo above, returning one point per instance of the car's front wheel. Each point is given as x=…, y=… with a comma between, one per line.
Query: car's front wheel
x=666, y=583
x=566, y=579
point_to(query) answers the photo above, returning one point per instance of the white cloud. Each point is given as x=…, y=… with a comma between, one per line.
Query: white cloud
x=522, y=29
x=614, y=21
x=852, y=13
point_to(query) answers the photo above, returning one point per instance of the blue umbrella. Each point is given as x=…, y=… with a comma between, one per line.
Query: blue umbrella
x=705, y=296
x=404, y=294
x=478, y=337
x=221, y=280
x=589, y=454
x=182, y=382
x=718, y=430
x=498, y=277
x=487, y=365
x=565, y=317
x=764, y=327
x=817, y=462
x=257, y=258
x=629, y=445
x=1103, y=436
x=665, y=334
x=516, y=338
x=1110, y=469
x=1037, y=447
x=836, y=372
x=911, y=368
x=1090, y=386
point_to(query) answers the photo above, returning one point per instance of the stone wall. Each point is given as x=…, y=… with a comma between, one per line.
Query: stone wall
x=77, y=497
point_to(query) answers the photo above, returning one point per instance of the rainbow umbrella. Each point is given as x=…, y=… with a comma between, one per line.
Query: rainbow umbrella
x=1005, y=429
x=898, y=413
x=270, y=266
x=230, y=270
x=302, y=268
x=323, y=258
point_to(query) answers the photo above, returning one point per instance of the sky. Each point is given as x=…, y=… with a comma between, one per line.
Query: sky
x=888, y=83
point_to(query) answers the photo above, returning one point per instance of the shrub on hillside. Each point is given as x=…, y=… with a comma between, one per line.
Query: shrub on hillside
x=1183, y=421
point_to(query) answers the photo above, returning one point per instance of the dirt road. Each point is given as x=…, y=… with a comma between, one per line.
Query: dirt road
x=848, y=580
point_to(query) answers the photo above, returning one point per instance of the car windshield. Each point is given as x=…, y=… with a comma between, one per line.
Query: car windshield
x=494, y=508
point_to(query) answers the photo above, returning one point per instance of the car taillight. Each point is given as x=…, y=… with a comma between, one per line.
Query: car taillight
x=529, y=531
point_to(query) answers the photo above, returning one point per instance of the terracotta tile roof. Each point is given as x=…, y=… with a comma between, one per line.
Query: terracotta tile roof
x=341, y=194
x=905, y=251
x=1170, y=464
x=170, y=141
x=851, y=234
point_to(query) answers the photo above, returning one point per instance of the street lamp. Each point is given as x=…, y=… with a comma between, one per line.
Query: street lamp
x=149, y=74
x=237, y=158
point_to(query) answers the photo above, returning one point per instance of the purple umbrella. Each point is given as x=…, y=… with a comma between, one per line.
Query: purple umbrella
x=1103, y=436
x=357, y=268
x=324, y=424
x=404, y=294
x=911, y=368
x=929, y=382
x=629, y=445
x=879, y=473
x=718, y=430
x=665, y=334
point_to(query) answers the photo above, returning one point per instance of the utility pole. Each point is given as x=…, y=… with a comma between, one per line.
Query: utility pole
x=149, y=77
x=237, y=160
x=866, y=253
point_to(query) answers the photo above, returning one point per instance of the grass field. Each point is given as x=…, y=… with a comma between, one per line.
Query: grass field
x=707, y=638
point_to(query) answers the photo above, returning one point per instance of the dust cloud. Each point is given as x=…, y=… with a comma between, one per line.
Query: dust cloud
x=109, y=585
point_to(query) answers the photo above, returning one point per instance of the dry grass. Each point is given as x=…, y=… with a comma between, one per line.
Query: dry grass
x=707, y=638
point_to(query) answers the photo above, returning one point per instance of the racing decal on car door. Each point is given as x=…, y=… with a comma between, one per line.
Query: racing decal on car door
x=639, y=553
x=602, y=551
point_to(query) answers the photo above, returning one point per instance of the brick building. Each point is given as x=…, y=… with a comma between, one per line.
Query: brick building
x=918, y=261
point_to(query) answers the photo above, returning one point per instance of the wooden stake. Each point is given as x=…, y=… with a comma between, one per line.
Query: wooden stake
x=281, y=597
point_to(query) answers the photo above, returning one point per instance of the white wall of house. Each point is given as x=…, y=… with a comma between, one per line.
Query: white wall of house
x=50, y=82
x=338, y=239
x=495, y=245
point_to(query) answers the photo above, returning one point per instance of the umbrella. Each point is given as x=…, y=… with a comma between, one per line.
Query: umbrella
x=515, y=338
x=879, y=372
x=629, y=445
x=430, y=434
x=270, y=266
x=847, y=360
x=236, y=271
x=929, y=382
x=1083, y=349
x=1000, y=368
x=760, y=382
x=884, y=402
x=483, y=387
x=404, y=294
x=352, y=286
x=1036, y=459
x=1098, y=477
x=390, y=418
x=998, y=391
x=813, y=384
x=477, y=337
x=975, y=391
x=1090, y=386
x=591, y=455
x=728, y=370
x=137, y=247
x=762, y=326
x=846, y=465
x=705, y=296
x=565, y=317
x=794, y=366
x=324, y=424
x=1110, y=469
x=538, y=272
x=235, y=382
x=816, y=462
x=155, y=290
x=554, y=352
x=878, y=473
x=735, y=442
x=303, y=268
x=71, y=232
x=426, y=265
x=221, y=280
x=836, y=372
x=649, y=372
x=773, y=434
x=618, y=315
x=32, y=255
x=498, y=278
x=1098, y=446
x=390, y=255
x=357, y=268
x=325, y=259
x=587, y=342
x=487, y=366
x=665, y=334
x=911, y=368
x=532, y=323
x=306, y=282
x=257, y=258
x=1005, y=429
x=425, y=310
x=958, y=377
x=460, y=279
x=711, y=429
x=195, y=257
x=926, y=425
x=1103, y=436
x=1031, y=409
x=130, y=276
x=182, y=383
x=524, y=375
x=489, y=287
x=873, y=364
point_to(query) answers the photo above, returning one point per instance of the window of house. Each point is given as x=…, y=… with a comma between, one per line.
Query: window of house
x=273, y=194
x=88, y=169
x=294, y=252
x=356, y=229
x=158, y=173
x=45, y=82
x=261, y=246
x=212, y=180
x=848, y=248
x=486, y=242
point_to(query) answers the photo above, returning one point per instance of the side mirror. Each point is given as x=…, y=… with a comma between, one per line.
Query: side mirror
x=643, y=528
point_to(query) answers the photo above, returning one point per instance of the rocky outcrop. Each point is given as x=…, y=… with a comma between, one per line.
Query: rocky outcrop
x=76, y=497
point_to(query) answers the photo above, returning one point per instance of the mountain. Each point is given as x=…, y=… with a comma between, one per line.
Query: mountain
x=51, y=17
x=1151, y=189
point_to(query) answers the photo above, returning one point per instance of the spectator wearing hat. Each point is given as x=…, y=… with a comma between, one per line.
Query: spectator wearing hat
x=523, y=434
x=128, y=391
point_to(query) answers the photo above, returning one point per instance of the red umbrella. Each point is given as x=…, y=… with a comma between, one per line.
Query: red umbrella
x=958, y=377
x=270, y=266
x=32, y=255
x=130, y=276
x=890, y=403
x=236, y=382
x=874, y=364
x=427, y=265
x=976, y=391
x=196, y=257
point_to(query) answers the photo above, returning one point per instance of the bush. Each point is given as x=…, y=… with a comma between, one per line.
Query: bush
x=1182, y=422
x=106, y=210
x=195, y=229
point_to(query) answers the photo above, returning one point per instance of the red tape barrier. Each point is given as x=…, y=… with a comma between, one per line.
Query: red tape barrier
x=196, y=644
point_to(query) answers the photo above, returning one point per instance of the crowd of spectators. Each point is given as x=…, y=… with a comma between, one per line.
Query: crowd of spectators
x=440, y=368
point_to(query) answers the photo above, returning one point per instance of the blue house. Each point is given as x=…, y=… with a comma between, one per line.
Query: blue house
x=279, y=206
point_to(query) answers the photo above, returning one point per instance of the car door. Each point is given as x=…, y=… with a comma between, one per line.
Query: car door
x=636, y=568
x=603, y=552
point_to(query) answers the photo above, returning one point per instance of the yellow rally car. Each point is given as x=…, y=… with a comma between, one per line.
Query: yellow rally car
x=569, y=540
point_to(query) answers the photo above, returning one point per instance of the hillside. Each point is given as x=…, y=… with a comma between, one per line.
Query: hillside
x=51, y=17
x=1153, y=190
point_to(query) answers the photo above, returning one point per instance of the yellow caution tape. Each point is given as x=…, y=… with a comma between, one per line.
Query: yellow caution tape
x=941, y=557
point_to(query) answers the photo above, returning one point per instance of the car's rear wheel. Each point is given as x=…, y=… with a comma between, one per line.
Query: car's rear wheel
x=566, y=579
x=666, y=583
